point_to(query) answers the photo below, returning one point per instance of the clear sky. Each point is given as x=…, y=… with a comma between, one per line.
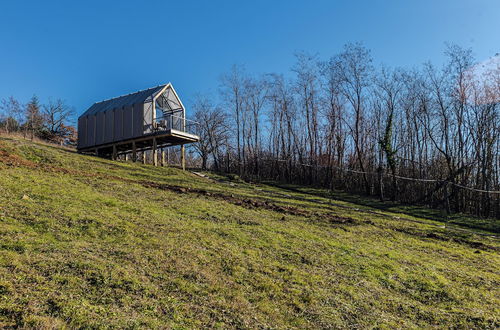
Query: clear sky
x=86, y=51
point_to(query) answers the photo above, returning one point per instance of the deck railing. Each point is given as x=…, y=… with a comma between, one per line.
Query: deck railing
x=173, y=122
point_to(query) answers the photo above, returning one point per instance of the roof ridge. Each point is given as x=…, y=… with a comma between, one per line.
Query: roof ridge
x=123, y=100
x=142, y=90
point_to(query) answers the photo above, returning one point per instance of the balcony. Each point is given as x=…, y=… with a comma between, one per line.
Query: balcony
x=175, y=128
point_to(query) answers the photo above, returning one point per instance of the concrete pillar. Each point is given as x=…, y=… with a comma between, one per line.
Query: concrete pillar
x=144, y=157
x=162, y=156
x=127, y=157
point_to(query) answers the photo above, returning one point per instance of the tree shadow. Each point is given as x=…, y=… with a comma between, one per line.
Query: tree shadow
x=469, y=221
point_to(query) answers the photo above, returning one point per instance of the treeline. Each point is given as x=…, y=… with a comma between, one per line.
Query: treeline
x=50, y=122
x=427, y=136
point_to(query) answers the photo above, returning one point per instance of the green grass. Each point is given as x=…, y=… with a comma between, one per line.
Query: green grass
x=456, y=220
x=86, y=242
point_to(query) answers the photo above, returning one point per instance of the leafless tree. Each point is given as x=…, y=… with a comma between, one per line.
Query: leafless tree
x=425, y=136
x=232, y=89
x=57, y=116
x=11, y=114
x=254, y=101
x=306, y=88
x=212, y=129
x=355, y=73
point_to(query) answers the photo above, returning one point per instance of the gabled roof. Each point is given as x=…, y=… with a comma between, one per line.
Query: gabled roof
x=124, y=100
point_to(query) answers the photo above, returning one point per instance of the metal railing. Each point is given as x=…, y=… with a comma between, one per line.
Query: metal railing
x=169, y=122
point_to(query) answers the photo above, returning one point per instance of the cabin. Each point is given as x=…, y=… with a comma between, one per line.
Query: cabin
x=145, y=121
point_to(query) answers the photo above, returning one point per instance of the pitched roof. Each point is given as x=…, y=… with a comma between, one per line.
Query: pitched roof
x=124, y=100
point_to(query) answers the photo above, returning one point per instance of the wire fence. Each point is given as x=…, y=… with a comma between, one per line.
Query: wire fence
x=386, y=175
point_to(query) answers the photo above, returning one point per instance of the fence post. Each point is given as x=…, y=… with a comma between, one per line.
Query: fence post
x=380, y=173
x=446, y=198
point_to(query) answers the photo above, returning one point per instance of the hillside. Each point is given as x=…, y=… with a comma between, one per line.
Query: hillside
x=87, y=242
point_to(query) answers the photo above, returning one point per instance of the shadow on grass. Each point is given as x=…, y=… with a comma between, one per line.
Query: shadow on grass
x=485, y=224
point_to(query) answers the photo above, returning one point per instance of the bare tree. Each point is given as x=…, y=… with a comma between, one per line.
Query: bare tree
x=232, y=89
x=11, y=114
x=306, y=88
x=334, y=114
x=355, y=71
x=212, y=129
x=57, y=116
x=426, y=136
x=254, y=100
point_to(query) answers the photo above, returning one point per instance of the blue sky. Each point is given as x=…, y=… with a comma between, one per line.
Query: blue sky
x=86, y=51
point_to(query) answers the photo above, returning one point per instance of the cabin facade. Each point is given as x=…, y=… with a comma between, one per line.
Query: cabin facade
x=150, y=119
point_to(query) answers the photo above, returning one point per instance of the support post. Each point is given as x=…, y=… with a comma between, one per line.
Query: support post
x=183, y=157
x=134, y=152
x=114, y=156
x=155, y=153
x=127, y=157
x=144, y=157
x=162, y=156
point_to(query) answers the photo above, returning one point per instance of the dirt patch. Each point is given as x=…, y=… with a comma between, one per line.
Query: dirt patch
x=248, y=203
x=11, y=159
x=263, y=204
x=476, y=245
x=333, y=219
x=336, y=219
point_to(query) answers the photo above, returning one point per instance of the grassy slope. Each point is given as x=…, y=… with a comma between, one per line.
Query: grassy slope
x=87, y=242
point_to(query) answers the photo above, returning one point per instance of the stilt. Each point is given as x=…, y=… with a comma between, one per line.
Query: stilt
x=144, y=157
x=114, y=156
x=162, y=156
x=183, y=157
x=134, y=152
x=155, y=153
x=127, y=157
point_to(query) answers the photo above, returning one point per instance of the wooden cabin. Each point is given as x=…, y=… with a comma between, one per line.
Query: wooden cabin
x=151, y=119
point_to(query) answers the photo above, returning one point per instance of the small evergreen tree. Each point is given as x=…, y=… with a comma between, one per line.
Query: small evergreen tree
x=34, y=119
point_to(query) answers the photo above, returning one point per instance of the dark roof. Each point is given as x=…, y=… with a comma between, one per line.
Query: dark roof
x=124, y=100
